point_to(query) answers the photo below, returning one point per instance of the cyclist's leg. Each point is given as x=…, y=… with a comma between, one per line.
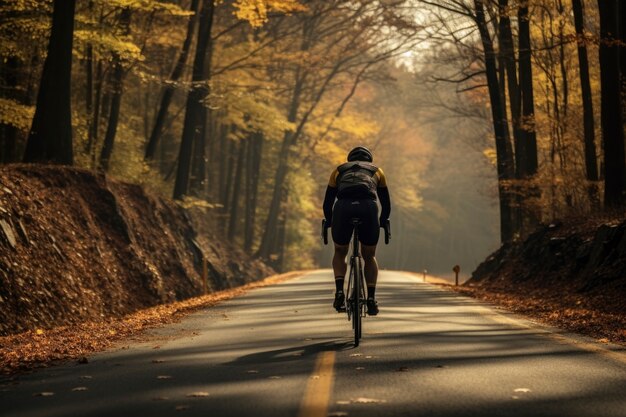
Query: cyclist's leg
x=340, y=267
x=341, y=233
x=371, y=265
x=339, y=260
x=369, y=232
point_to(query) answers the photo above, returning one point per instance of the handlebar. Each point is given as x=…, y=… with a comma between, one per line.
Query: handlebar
x=325, y=227
x=387, y=228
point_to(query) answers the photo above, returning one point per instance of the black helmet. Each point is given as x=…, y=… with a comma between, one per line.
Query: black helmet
x=360, y=153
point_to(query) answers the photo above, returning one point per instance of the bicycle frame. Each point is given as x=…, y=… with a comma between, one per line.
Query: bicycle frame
x=356, y=291
x=355, y=306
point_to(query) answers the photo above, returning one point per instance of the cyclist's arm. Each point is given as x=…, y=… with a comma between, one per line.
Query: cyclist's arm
x=331, y=194
x=385, y=203
x=329, y=201
x=383, y=196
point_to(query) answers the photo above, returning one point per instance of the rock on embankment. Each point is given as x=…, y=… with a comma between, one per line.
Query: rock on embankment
x=583, y=261
x=76, y=246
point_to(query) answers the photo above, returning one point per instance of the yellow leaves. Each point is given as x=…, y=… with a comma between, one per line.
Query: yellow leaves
x=15, y=114
x=147, y=6
x=39, y=332
x=331, y=152
x=490, y=154
x=105, y=44
x=189, y=202
x=256, y=11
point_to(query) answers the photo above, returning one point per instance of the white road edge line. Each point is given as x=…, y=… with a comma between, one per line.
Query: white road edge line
x=547, y=331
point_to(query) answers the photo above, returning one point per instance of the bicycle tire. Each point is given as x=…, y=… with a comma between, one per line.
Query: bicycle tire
x=356, y=313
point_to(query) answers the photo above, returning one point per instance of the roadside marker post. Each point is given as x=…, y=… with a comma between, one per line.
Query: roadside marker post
x=456, y=270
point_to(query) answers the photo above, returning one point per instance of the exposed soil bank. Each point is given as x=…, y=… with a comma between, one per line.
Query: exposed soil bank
x=571, y=274
x=76, y=247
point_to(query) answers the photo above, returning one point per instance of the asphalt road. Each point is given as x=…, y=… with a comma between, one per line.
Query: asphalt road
x=283, y=351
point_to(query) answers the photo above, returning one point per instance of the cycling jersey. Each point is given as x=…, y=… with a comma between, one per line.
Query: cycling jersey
x=356, y=186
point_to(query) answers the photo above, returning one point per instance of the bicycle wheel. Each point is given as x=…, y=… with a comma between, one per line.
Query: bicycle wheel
x=356, y=302
x=350, y=291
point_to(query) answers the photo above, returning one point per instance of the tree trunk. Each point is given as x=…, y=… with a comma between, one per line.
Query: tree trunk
x=117, y=84
x=50, y=138
x=198, y=160
x=9, y=133
x=622, y=54
x=168, y=90
x=528, y=161
x=97, y=108
x=528, y=138
x=89, y=97
x=612, y=128
x=281, y=237
x=503, y=143
x=269, y=239
x=507, y=52
x=223, y=162
x=89, y=90
x=199, y=91
x=255, y=150
x=234, y=205
x=230, y=169
x=591, y=161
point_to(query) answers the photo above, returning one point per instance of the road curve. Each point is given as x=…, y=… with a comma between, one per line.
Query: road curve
x=282, y=351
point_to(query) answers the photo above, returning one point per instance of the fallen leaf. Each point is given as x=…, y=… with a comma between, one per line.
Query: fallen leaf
x=164, y=377
x=44, y=394
x=160, y=398
x=364, y=400
x=337, y=414
x=356, y=354
x=274, y=377
x=198, y=394
x=402, y=369
x=343, y=402
x=521, y=390
x=86, y=377
x=359, y=368
x=39, y=331
x=158, y=361
x=604, y=340
x=80, y=389
x=182, y=407
x=252, y=371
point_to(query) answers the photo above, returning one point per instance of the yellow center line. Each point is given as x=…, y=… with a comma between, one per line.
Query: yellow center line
x=319, y=387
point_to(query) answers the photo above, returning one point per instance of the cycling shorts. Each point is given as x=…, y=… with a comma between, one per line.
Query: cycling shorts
x=365, y=210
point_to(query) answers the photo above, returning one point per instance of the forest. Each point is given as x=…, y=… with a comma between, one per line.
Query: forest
x=489, y=117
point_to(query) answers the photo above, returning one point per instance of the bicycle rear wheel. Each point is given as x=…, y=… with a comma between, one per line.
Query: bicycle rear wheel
x=356, y=300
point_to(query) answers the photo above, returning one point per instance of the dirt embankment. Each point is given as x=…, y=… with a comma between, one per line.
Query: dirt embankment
x=571, y=274
x=75, y=246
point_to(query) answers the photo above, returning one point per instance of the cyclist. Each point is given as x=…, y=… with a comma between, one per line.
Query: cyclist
x=356, y=185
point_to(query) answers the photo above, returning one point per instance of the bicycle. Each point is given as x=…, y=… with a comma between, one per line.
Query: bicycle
x=356, y=294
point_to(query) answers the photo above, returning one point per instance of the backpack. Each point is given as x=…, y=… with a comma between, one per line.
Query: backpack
x=357, y=179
